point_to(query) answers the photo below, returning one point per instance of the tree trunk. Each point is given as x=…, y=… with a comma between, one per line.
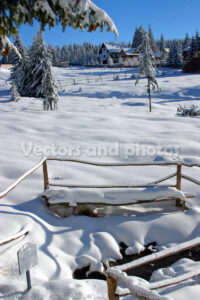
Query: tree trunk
x=149, y=92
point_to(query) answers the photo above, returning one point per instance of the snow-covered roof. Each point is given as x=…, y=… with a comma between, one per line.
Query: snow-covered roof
x=128, y=51
x=113, y=47
x=186, y=48
x=158, y=54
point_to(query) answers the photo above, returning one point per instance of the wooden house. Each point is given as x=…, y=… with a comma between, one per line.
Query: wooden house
x=109, y=50
x=193, y=65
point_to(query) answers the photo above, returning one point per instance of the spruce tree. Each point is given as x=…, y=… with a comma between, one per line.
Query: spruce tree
x=14, y=93
x=19, y=70
x=151, y=39
x=193, y=48
x=147, y=67
x=137, y=39
x=186, y=42
x=41, y=82
x=162, y=43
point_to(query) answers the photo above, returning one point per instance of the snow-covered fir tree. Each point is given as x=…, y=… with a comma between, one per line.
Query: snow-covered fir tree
x=186, y=42
x=77, y=14
x=41, y=82
x=193, y=47
x=147, y=67
x=20, y=68
x=152, y=40
x=162, y=42
x=137, y=38
x=14, y=92
x=175, y=55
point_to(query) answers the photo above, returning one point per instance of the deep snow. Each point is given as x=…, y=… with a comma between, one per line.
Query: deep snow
x=104, y=120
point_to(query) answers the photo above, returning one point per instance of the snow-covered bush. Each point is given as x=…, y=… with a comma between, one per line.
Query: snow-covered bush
x=192, y=110
x=14, y=93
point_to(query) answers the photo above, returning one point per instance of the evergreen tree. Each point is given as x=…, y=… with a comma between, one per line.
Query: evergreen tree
x=186, y=42
x=41, y=82
x=14, y=93
x=151, y=39
x=76, y=14
x=19, y=70
x=147, y=66
x=64, y=54
x=137, y=39
x=193, y=48
x=197, y=37
x=162, y=43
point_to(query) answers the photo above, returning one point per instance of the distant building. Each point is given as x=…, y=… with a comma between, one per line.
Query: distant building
x=6, y=65
x=162, y=56
x=119, y=55
x=185, y=53
x=128, y=57
x=193, y=65
x=109, y=50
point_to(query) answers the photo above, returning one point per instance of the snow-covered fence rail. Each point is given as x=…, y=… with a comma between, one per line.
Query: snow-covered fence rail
x=178, y=174
x=117, y=274
x=92, y=79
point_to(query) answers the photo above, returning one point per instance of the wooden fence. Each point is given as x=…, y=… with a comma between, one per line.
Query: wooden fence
x=178, y=175
x=116, y=275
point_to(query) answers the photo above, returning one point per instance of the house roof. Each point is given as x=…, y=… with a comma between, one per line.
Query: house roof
x=112, y=48
x=128, y=51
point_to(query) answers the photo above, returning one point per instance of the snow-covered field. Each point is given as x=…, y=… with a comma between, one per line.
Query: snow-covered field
x=99, y=120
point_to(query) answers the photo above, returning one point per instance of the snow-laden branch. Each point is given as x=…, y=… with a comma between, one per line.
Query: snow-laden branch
x=6, y=45
x=76, y=14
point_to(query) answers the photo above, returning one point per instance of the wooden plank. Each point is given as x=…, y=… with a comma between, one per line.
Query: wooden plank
x=114, y=164
x=125, y=203
x=159, y=255
x=178, y=183
x=174, y=280
x=112, y=285
x=16, y=236
x=73, y=186
x=191, y=179
x=45, y=174
x=20, y=179
x=165, y=178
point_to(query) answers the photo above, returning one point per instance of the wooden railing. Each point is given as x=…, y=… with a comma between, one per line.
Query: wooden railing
x=117, y=274
x=178, y=174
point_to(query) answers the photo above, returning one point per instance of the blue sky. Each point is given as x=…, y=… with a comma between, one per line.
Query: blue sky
x=173, y=18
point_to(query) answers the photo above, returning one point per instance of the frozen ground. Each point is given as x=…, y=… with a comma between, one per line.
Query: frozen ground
x=97, y=120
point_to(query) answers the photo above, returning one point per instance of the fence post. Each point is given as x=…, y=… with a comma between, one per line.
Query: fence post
x=45, y=173
x=112, y=285
x=178, y=183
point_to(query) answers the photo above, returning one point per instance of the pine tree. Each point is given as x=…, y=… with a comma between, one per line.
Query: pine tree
x=19, y=70
x=147, y=67
x=151, y=39
x=41, y=82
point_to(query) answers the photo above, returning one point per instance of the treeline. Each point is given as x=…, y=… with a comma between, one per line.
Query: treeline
x=88, y=54
x=85, y=54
